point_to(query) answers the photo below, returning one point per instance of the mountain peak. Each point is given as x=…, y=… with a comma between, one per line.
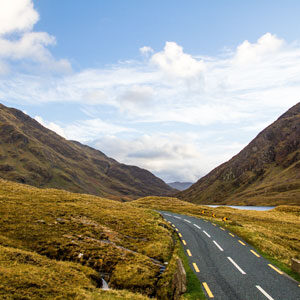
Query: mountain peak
x=33, y=154
x=294, y=110
x=265, y=172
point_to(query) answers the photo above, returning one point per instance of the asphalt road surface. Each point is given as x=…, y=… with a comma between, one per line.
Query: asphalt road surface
x=227, y=267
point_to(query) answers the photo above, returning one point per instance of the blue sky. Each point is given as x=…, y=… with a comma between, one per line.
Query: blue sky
x=176, y=87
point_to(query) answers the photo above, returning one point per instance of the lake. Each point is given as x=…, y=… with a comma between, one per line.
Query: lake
x=261, y=208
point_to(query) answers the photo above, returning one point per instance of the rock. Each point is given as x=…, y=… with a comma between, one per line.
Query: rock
x=6, y=168
x=179, y=281
x=61, y=221
x=41, y=221
x=68, y=236
x=296, y=265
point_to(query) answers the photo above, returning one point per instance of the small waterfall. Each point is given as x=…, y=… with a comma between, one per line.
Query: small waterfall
x=105, y=286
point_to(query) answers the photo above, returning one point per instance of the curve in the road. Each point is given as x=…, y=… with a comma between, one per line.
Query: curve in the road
x=227, y=267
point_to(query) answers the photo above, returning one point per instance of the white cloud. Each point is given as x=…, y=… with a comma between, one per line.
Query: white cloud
x=91, y=129
x=174, y=62
x=83, y=131
x=146, y=50
x=51, y=125
x=164, y=155
x=248, y=53
x=242, y=89
x=171, y=156
x=3, y=68
x=32, y=45
x=17, y=15
x=225, y=90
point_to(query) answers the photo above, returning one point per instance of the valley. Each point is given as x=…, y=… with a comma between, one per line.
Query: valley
x=68, y=242
x=54, y=227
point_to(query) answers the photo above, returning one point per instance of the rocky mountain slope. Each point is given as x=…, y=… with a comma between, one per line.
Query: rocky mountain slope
x=35, y=155
x=266, y=172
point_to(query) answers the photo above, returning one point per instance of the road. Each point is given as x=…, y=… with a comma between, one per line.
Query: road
x=227, y=267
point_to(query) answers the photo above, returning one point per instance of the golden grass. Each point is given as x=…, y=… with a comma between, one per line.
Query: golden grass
x=109, y=237
x=26, y=275
x=30, y=276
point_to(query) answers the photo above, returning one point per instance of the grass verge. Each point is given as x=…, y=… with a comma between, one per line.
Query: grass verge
x=194, y=290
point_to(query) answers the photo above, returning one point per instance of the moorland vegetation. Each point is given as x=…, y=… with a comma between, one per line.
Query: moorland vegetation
x=58, y=243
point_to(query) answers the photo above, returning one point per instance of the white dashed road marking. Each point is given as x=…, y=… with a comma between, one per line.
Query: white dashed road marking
x=220, y=248
x=206, y=233
x=236, y=265
x=264, y=292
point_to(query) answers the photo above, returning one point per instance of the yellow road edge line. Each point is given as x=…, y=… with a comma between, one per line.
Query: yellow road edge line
x=180, y=235
x=177, y=229
x=277, y=270
x=173, y=225
x=222, y=228
x=188, y=252
x=196, y=268
x=214, y=224
x=184, y=242
x=231, y=234
x=208, y=291
x=242, y=243
x=255, y=253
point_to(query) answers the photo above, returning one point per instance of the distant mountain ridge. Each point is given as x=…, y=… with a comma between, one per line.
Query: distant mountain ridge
x=35, y=155
x=266, y=172
x=180, y=186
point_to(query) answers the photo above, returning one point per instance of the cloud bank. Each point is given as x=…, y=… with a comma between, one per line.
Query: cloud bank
x=174, y=113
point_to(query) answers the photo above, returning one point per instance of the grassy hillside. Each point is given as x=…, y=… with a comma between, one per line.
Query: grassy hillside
x=35, y=155
x=266, y=172
x=54, y=242
x=29, y=276
x=275, y=233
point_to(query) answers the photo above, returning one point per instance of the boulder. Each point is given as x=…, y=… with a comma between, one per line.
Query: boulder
x=296, y=265
x=179, y=281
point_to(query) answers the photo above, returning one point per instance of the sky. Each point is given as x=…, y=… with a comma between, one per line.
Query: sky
x=175, y=87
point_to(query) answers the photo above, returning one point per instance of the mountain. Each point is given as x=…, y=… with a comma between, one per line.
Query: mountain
x=266, y=172
x=180, y=185
x=35, y=155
